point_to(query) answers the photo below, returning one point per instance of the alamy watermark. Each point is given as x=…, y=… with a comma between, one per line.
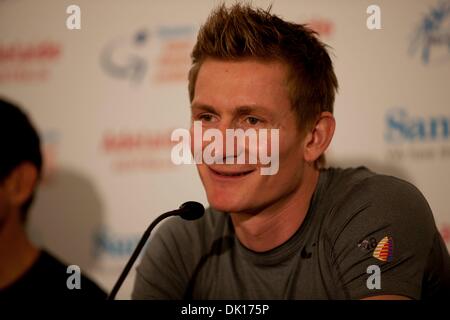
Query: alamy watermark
x=374, y=280
x=74, y=280
x=256, y=151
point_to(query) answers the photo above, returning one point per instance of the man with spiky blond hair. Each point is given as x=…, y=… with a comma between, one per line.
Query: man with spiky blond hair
x=306, y=232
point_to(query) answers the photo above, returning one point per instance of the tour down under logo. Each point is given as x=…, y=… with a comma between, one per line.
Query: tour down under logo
x=384, y=249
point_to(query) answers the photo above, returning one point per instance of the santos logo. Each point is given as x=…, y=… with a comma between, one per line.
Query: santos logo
x=404, y=127
x=112, y=244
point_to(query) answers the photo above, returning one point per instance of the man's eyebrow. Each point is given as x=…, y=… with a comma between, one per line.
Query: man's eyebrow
x=251, y=109
x=241, y=110
x=204, y=107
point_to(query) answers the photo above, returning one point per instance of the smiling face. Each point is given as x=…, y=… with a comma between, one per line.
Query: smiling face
x=248, y=94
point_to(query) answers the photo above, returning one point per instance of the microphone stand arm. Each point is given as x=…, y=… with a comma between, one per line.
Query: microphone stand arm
x=136, y=252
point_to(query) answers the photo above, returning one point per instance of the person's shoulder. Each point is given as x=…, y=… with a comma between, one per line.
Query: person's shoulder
x=50, y=274
x=380, y=220
x=360, y=194
x=336, y=184
x=382, y=190
x=49, y=263
x=349, y=174
x=361, y=185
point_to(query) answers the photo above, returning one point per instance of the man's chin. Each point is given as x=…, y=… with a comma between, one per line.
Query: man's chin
x=228, y=199
x=225, y=206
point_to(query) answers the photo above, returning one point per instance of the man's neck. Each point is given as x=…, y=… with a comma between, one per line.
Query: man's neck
x=17, y=253
x=275, y=224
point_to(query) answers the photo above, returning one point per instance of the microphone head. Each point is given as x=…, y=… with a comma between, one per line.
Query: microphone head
x=191, y=210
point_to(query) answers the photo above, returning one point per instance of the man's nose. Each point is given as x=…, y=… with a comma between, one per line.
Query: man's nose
x=231, y=146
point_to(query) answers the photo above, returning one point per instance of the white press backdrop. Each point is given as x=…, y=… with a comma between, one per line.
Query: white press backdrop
x=106, y=98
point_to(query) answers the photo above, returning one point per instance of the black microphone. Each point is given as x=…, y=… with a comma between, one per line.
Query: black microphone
x=190, y=210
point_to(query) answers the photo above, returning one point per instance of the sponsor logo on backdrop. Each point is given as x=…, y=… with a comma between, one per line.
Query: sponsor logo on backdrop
x=50, y=151
x=127, y=58
x=26, y=62
x=418, y=137
x=108, y=243
x=137, y=150
x=174, y=49
x=431, y=38
x=323, y=26
x=162, y=54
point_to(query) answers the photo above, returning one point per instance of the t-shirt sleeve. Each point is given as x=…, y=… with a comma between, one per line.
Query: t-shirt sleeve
x=161, y=273
x=380, y=238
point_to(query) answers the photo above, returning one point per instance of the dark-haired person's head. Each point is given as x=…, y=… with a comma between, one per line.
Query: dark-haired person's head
x=20, y=161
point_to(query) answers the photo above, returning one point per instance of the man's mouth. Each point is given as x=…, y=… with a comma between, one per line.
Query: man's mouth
x=231, y=174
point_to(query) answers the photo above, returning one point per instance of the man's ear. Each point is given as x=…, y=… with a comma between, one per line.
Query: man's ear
x=319, y=138
x=21, y=182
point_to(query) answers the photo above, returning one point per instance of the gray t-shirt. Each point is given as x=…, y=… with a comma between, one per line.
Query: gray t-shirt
x=356, y=219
